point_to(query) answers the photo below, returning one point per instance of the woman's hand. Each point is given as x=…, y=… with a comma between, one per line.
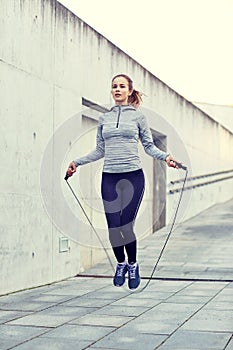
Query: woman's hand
x=71, y=169
x=171, y=162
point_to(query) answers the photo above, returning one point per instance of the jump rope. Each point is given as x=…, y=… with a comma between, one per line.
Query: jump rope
x=177, y=164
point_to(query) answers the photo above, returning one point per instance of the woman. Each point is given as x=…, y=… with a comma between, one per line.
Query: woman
x=122, y=184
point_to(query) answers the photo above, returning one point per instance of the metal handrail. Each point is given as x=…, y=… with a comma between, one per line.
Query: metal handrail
x=200, y=184
x=202, y=176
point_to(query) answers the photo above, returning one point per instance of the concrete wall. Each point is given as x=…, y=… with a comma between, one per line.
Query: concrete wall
x=222, y=114
x=49, y=60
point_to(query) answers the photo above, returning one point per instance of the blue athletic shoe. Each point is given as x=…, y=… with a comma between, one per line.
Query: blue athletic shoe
x=119, y=278
x=134, y=277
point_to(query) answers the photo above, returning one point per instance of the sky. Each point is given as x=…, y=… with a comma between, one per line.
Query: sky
x=188, y=44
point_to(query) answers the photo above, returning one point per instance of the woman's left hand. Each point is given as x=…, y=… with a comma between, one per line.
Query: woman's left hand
x=171, y=162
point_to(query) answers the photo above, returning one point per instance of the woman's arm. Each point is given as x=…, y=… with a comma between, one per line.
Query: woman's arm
x=94, y=155
x=147, y=140
x=149, y=146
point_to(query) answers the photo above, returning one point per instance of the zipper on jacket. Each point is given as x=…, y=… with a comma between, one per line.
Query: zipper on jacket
x=118, y=117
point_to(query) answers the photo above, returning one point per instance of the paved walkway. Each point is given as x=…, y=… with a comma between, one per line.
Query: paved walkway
x=188, y=306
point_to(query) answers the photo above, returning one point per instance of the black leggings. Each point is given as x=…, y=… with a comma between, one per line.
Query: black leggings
x=122, y=195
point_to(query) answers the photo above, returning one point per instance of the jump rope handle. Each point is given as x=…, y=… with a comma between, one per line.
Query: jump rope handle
x=67, y=176
x=181, y=166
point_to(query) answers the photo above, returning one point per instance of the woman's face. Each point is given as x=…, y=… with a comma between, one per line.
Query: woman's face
x=120, y=90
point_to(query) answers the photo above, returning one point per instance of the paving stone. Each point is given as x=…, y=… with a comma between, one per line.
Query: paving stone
x=26, y=305
x=217, y=286
x=225, y=295
x=145, y=325
x=195, y=292
x=69, y=291
x=26, y=294
x=102, y=320
x=85, y=281
x=52, y=298
x=129, y=301
x=14, y=335
x=167, y=307
x=53, y=317
x=87, y=302
x=122, y=341
x=230, y=345
x=211, y=320
x=167, y=286
x=6, y=315
x=106, y=296
x=219, y=305
x=53, y=344
x=184, y=340
x=137, y=294
x=188, y=299
x=79, y=332
x=121, y=310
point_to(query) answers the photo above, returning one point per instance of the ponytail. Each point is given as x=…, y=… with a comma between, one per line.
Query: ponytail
x=135, y=98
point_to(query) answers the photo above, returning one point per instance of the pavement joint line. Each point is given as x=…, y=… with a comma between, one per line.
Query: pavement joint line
x=162, y=301
x=189, y=318
x=38, y=311
x=191, y=279
x=145, y=311
x=26, y=341
x=50, y=284
x=49, y=329
x=231, y=338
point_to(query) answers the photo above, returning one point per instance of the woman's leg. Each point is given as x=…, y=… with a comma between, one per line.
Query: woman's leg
x=112, y=201
x=132, y=193
x=111, y=196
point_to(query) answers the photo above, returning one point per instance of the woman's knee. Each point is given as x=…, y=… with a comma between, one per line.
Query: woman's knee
x=128, y=233
x=116, y=237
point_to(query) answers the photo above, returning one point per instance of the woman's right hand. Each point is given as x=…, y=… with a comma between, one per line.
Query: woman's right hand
x=71, y=169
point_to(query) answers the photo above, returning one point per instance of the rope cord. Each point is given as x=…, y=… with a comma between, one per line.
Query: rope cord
x=169, y=234
x=165, y=243
x=93, y=228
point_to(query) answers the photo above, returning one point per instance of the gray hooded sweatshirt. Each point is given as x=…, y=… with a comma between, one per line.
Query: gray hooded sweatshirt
x=118, y=133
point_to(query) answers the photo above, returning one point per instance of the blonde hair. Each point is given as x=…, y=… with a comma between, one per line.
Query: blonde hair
x=136, y=96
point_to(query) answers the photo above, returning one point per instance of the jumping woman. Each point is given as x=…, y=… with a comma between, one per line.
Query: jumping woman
x=123, y=183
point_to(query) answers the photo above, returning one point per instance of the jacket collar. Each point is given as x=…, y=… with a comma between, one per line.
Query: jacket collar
x=123, y=108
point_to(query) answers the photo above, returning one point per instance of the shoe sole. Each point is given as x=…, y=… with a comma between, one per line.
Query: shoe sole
x=118, y=285
x=131, y=288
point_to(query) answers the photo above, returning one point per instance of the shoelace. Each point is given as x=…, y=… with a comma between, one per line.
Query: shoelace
x=132, y=271
x=120, y=270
